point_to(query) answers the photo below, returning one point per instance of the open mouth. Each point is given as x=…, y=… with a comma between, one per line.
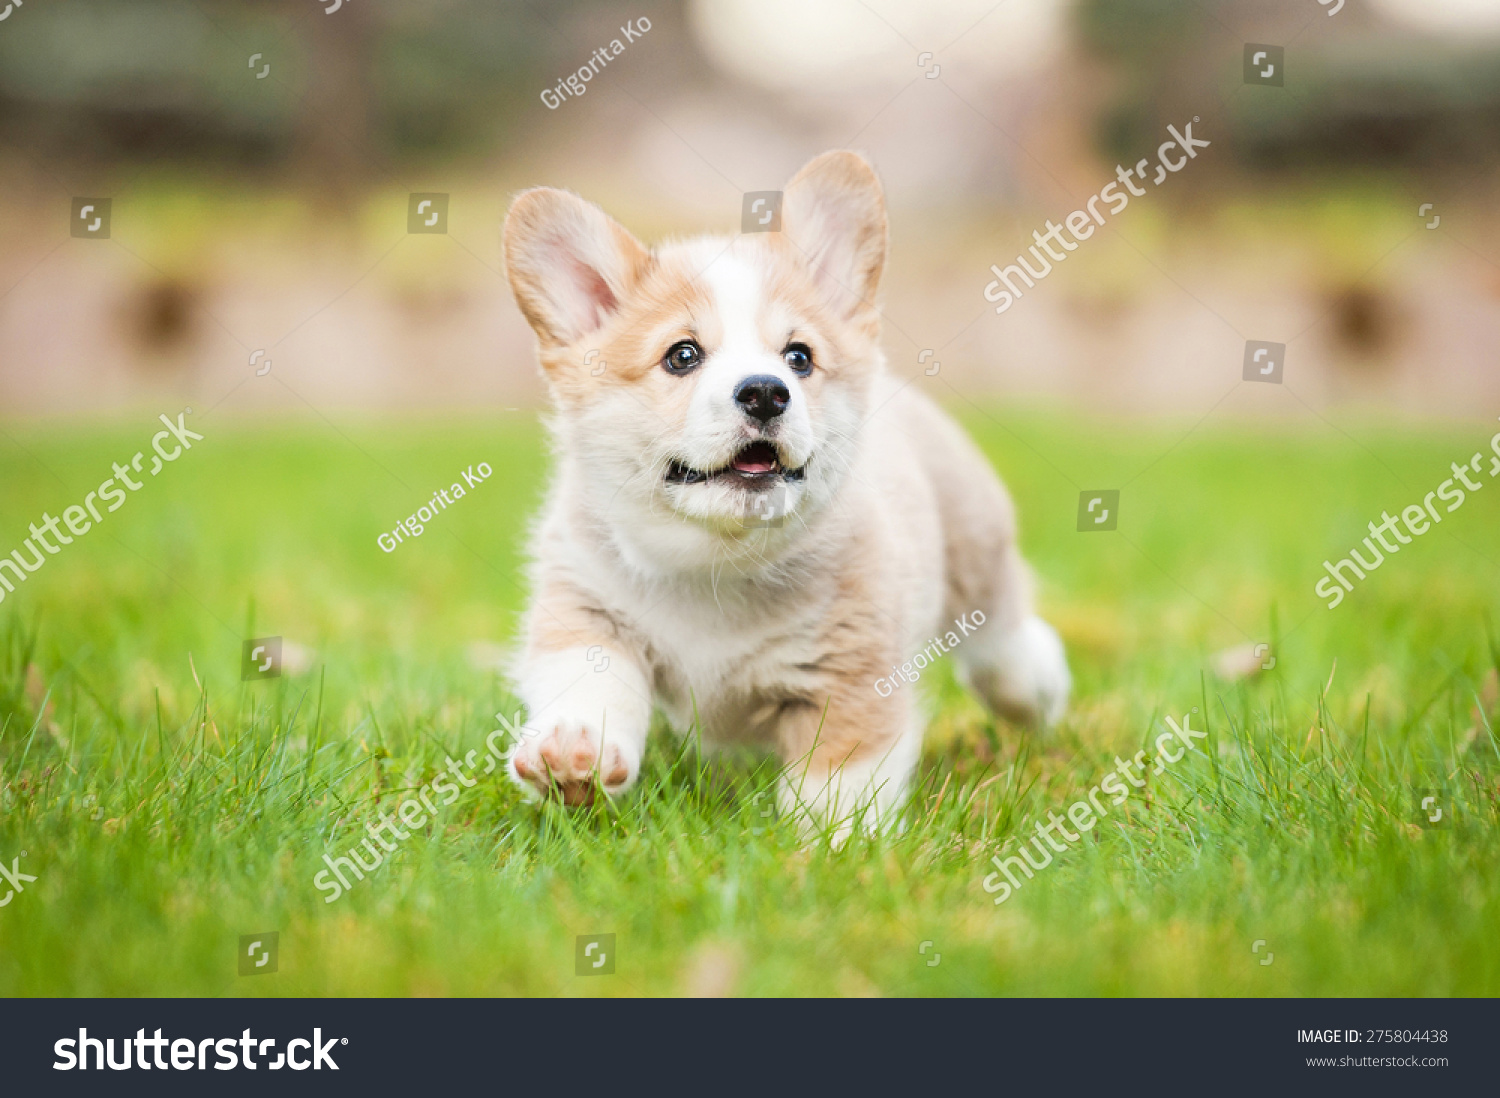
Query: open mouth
x=757, y=463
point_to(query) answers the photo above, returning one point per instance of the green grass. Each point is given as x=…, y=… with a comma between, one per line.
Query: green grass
x=166, y=807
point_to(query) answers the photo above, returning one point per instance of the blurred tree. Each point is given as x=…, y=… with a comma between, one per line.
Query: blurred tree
x=1371, y=95
x=350, y=88
x=333, y=145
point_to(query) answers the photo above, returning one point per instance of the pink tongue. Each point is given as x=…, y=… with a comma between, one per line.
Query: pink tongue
x=755, y=459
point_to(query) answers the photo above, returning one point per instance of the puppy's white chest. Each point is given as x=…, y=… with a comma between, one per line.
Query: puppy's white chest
x=714, y=664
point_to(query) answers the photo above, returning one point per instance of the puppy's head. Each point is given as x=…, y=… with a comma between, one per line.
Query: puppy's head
x=716, y=383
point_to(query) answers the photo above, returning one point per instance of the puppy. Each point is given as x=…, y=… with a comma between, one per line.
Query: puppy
x=752, y=525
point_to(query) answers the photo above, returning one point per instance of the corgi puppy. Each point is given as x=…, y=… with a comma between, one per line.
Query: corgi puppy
x=752, y=525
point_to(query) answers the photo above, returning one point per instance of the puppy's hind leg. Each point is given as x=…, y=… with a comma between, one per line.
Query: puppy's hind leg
x=849, y=765
x=1015, y=661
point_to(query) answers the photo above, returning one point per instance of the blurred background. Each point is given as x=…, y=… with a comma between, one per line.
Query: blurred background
x=254, y=162
x=261, y=205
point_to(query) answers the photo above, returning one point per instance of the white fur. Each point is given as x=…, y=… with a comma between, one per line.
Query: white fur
x=1028, y=664
x=769, y=636
x=860, y=795
x=575, y=696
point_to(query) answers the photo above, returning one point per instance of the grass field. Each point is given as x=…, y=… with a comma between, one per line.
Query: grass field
x=166, y=808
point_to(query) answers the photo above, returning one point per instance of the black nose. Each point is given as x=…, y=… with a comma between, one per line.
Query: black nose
x=762, y=396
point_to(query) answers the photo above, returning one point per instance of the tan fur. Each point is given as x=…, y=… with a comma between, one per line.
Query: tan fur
x=768, y=636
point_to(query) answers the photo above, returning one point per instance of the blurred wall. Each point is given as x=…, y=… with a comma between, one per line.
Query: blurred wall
x=259, y=158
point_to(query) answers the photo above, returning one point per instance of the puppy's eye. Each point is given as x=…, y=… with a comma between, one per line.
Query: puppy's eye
x=682, y=357
x=799, y=357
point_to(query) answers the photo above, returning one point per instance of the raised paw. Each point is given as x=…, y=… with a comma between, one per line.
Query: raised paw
x=563, y=757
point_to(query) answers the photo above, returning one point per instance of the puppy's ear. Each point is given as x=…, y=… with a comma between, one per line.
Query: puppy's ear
x=834, y=213
x=570, y=265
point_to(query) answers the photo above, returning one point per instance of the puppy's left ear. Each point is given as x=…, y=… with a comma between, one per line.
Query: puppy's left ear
x=570, y=264
x=833, y=211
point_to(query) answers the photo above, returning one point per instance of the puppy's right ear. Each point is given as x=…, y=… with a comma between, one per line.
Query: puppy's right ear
x=570, y=265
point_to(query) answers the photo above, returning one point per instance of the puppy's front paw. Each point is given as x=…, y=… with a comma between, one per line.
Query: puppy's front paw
x=563, y=756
